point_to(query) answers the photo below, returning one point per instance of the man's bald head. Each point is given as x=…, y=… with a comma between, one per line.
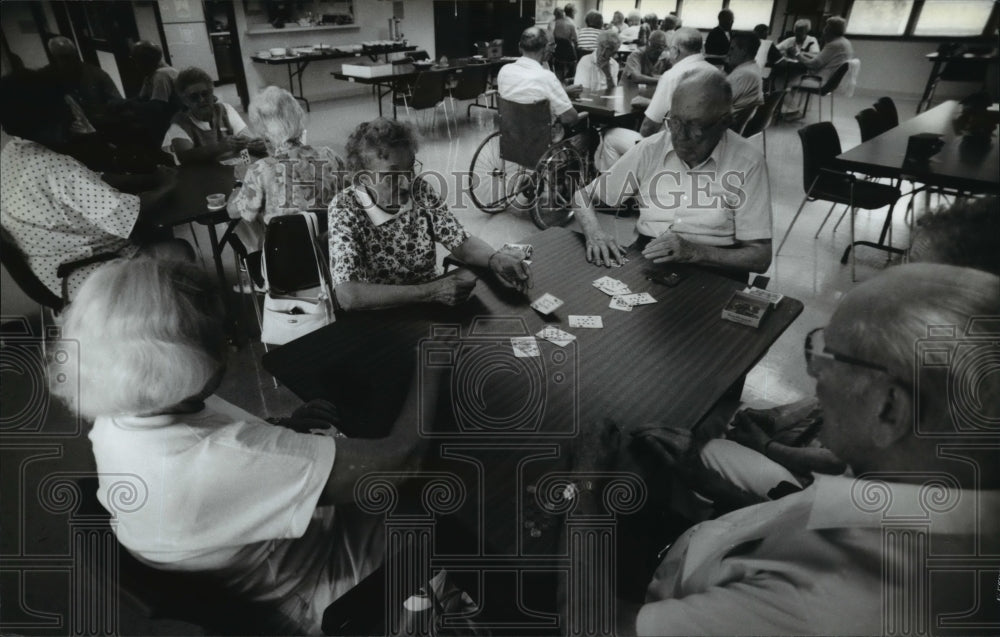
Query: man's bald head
x=699, y=114
x=708, y=88
x=533, y=40
x=658, y=39
x=688, y=42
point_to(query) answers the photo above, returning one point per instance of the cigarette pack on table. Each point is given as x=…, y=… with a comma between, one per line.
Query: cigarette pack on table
x=362, y=70
x=746, y=309
x=771, y=297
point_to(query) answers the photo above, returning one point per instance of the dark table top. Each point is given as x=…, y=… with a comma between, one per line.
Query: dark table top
x=963, y=164
x=609, y=105
x=187, y=201
x=324, y=54
x=403, y=72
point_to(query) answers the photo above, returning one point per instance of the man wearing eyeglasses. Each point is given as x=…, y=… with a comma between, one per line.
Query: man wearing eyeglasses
x=895, y=370
x=702, y=190
x=684, y=55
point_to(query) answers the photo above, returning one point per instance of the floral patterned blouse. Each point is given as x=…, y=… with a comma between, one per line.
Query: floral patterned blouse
x=317, y=174
x=392, y=250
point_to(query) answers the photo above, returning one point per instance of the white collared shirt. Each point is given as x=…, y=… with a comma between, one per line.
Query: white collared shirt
x=590, y=76
x=526, y=82
x=659, y=105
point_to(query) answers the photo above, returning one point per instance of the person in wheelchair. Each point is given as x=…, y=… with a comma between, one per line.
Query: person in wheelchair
x=263, y=511
x=383, y=230
x=702, y=189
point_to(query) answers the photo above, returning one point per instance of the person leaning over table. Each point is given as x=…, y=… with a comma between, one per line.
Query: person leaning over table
x=383, y=230
x=685, y=55
x=59, y=211
x=293, y=177
x=265, y=512
x=645, y=66
x=815, y=561
x=598, y=71
x=525, y=81
x=205, y=130
x=702, y=189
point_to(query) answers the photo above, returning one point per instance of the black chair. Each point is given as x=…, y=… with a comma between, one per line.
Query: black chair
x=887, y=108
x=871, y=123
x=741, y=117
x=821, y=90
x=564, y=59
x=822, y=182
x=762, y=118
x=471, y=82
x=427, y=91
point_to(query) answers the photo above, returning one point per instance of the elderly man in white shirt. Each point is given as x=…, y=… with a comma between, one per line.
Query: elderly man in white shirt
x=800, y=40
x=685, y=55
x=598, y=71
x=526, y=81
x=702, y=190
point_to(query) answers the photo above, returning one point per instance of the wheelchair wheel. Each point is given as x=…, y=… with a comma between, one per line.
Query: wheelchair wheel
x=494, y=182
x=560, y=172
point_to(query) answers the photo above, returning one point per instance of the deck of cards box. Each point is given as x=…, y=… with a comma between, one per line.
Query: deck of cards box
x=746, y=309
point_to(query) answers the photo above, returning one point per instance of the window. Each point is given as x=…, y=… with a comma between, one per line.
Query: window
x=701, y=14
x=749, y=13
x=879, y=17
x=953, y=17
x=608, y=8
x=659, y=7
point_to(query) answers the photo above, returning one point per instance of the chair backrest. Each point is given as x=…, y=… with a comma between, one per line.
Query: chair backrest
x=820, y=145
x=835, y=79
x=849, y=83
x=887, y=108
x=871, y=123
x=741, y=117
x=524, y=131
x=291, y=262
x=763, y=116
x=471, y=82
x=427, y=90
x=17, y=265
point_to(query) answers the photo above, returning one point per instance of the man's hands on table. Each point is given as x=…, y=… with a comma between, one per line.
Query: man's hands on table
x=603, y=249
x=671, y=248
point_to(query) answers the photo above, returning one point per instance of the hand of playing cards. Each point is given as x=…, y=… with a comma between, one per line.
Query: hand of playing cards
x=511, y=270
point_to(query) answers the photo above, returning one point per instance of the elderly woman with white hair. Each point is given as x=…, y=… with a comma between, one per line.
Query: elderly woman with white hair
x=384, y=229
x=631, y=32
x=293, y=177
x=261, y=510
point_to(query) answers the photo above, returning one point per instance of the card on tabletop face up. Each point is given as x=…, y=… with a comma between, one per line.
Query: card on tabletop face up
x=587, y=321
x=546, y=303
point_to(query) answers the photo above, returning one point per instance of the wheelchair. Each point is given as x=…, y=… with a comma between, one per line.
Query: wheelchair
x=527, y=164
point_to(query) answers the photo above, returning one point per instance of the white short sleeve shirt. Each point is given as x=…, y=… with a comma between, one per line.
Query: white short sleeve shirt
x=526, y=82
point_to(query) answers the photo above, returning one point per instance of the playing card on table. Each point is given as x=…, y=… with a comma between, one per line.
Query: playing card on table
x=619, y=303
x=584, y=320
x=556, y=336
x=546, y=303
x=611, y=287
x=245, y=156
x=525, y=346
x=642, y=298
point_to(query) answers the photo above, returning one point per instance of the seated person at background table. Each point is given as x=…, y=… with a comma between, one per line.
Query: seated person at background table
x=261, y=510
x=718, y=39
x=767, y=53
x=205, y=130
x=293, y=177
x=726, y=227
x=685, y=56
x=814, y=561
x=89, y=86
x=649, y=24
x=157, y=78
x=631, y=32
x=586, y=38
x=744, y=74
x=800, y=41
x=617, y=22
x=645, y=66
x=669, y=25
x=780, y=444
x=59, y=211
x=598, y=71
x=383, y=230
x=526, y=81
x=836, y=51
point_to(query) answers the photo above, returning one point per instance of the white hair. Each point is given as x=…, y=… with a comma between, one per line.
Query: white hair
x=147, y=335
x=277, y=117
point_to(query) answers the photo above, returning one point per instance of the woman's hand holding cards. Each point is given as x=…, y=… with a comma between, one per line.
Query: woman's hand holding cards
x=511, y=270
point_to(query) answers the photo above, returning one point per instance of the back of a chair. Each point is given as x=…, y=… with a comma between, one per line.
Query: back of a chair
x=17, y=265
x=887, y=108
x=427, y=90
x=291, y=259
x=524, y=131
x=741, y=117
x=820, y=145
x=564, y=51
x=471, y=82
x=871, y=124
x=764, y=115
x=835, y=79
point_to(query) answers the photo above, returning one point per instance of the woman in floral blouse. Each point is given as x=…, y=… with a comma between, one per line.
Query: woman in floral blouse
x=293, y=177
x=384, y=227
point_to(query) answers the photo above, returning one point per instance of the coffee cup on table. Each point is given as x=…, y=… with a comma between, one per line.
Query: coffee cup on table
x=216, y=200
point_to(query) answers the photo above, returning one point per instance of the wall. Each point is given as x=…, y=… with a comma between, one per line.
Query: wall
x=371, y=16
x=22, y=34
x=145, y=22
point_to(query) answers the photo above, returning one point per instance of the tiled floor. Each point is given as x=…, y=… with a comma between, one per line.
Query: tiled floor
x=808, y=270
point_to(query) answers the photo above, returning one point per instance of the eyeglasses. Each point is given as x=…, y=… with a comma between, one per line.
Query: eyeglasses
x=199, y=96
x=815, y=347
x=689, y=130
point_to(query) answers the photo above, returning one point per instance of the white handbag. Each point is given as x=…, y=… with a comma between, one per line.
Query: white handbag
x=291, y=314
